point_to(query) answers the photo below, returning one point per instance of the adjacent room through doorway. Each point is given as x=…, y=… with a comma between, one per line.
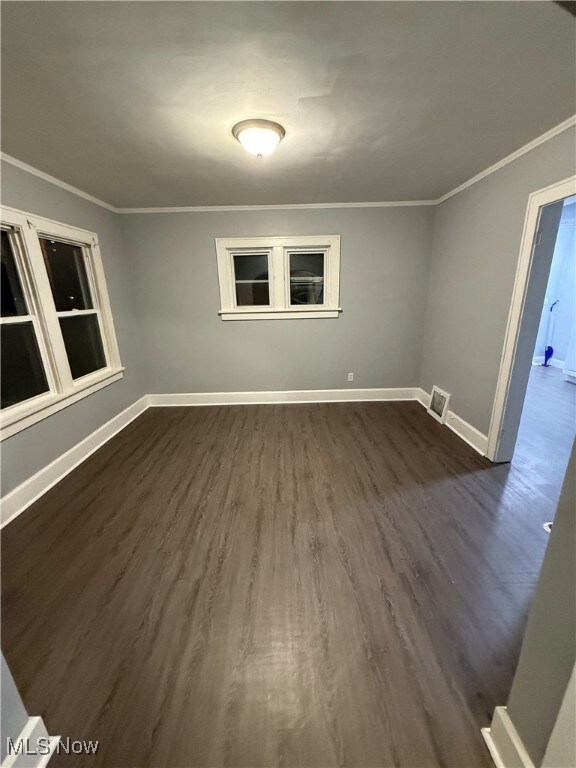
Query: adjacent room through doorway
x=548, y=423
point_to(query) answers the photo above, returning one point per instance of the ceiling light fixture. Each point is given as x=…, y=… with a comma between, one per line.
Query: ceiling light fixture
x=259, y=137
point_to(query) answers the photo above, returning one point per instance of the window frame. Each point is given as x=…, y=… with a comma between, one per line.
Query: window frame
x=63, y=389
x=279, y=249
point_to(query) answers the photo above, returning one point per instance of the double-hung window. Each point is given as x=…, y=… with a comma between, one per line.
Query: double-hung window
x=279, y=277
x=57, y=335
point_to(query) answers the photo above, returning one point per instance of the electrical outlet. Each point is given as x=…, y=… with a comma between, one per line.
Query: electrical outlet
x=350, y=376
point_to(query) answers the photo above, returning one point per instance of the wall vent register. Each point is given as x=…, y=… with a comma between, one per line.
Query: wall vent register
x=439, y=400
x=278, y=278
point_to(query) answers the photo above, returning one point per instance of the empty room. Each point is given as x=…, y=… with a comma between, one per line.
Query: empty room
x=288, y=392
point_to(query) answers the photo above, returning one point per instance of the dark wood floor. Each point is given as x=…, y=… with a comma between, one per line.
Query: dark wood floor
x=298, y=585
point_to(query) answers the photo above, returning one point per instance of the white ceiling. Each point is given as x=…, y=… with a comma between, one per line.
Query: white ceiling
x=133, y=102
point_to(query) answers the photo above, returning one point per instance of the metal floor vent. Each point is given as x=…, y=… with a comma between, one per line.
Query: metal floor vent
x=438, y=407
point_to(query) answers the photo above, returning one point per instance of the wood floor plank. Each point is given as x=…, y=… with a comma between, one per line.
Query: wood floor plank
x=276, y=585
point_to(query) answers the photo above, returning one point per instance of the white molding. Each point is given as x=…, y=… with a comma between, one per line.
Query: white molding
x=36, y=486
x=496, y=759
x=277, y=251
x=423, y=398
x=504, y=742
x=57, y=182
x=287, y=396
x=55, y=402
x=463, y=429
x=467, y=432
x=279, y=207
x=21, y=497
x=62, y=389
x=278, y=314
x=536, y=200
x=32, y=731
x=538, y=141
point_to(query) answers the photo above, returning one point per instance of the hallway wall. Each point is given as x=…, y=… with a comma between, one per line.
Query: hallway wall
x=548, y=650
x=13, y=715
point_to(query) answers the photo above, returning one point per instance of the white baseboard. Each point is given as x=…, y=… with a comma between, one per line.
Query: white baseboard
x=29, y=738
x=504, y=743
x=423, y=398
x=36, y=486
x=463, y=429
x=553, y=362
x=467, y=432
x=30, y=490
x=288, y=396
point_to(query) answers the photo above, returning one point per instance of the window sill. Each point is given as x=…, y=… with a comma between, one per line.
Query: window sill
x=24, y=415
x=278, y=314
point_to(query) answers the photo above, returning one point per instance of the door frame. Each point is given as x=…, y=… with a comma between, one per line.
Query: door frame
x=551, y=194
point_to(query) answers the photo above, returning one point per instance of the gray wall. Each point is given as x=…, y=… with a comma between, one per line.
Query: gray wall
x=408, y=319
x=549, y=648
x=476, y=243
x=384, y=276
x=33, y=448
x=13, y=713
x=561, y=748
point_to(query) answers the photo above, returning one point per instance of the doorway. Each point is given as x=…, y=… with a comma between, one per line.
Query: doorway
x=534, y=414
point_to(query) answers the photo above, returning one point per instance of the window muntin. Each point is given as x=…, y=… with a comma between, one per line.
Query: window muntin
x=52, y=276
x=278, y=277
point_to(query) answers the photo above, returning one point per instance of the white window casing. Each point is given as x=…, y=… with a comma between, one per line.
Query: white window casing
x=25, y=231
x=279, y=250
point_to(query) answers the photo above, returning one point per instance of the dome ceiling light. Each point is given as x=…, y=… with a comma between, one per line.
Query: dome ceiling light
x=259, y=137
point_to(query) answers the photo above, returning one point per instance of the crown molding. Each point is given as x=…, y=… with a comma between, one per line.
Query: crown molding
x=538, y=141
x=57, y=182
x=285, y=207
x=558, y=129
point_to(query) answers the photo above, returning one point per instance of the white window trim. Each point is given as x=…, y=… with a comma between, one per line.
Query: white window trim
x=278, y=250
x=63, y=389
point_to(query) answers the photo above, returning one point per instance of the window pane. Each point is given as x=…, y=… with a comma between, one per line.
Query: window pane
x=312, y=263
x=13, y=302
x=23, y=374
x=67, y=273
x=252, y=294
x=251, y=266
x=306, y=278
x=83, y=344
